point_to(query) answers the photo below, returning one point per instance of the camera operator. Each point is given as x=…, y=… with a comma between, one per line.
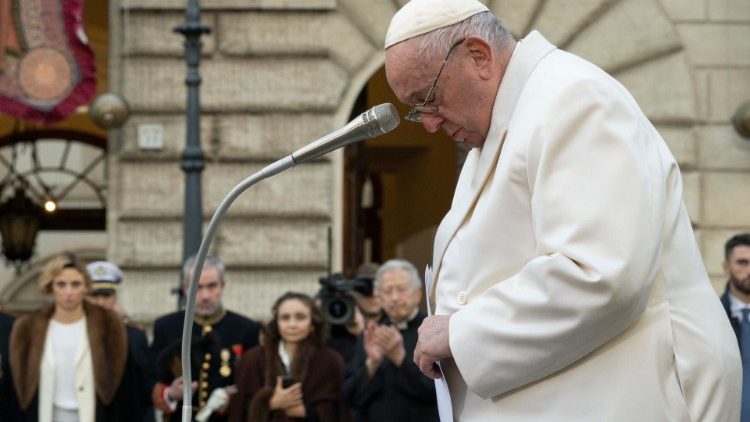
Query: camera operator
x=384, y=383
x=347, y=305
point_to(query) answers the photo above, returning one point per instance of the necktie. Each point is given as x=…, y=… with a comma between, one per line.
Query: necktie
x=745, y=352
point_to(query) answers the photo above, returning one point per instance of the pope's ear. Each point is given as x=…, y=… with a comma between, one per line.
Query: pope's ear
x=481, y=55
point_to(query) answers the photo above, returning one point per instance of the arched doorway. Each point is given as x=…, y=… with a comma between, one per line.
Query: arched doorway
x=397, y=187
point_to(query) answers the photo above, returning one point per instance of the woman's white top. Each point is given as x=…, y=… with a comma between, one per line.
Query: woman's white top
x=66, y=342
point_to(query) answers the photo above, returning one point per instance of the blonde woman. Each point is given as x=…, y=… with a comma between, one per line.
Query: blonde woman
x=68, y=358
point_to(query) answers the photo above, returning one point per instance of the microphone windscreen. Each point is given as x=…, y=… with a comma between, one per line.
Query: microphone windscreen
x=387, y=117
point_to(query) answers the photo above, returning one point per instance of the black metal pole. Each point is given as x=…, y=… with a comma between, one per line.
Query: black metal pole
x=192, y=156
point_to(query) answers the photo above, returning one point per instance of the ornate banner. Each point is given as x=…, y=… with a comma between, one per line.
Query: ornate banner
x=46, y=65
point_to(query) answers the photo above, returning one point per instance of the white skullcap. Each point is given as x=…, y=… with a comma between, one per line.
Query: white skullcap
x=422, y=16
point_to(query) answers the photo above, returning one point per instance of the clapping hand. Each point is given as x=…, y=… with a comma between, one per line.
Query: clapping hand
x=392, y=343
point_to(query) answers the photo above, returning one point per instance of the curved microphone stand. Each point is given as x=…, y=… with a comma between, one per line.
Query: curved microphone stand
x=376, y=121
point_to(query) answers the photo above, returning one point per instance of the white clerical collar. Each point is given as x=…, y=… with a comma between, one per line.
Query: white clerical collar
x=405, y=324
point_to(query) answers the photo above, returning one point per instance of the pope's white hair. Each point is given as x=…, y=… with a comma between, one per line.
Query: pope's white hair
x=485, y=25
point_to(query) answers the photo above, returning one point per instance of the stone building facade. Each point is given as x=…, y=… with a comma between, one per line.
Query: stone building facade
x=279, y=73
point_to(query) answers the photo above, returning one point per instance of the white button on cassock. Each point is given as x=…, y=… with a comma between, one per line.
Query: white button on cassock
x=462, y=297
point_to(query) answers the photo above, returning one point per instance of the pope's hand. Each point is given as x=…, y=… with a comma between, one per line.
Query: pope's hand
x=432, y=345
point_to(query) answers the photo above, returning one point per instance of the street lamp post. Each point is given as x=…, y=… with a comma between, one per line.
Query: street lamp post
x=192, y=162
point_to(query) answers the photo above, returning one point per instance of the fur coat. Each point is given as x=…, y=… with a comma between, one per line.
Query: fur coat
x=109, y=354
x=320, y=369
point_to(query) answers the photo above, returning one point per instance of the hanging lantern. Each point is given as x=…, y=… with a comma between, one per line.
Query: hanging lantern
x=20, y=218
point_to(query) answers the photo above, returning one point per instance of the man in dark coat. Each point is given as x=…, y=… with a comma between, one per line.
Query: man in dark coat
x=385, y=384
x=220, y=337
x=106, y=279
x=736, y=301
x=8, y=401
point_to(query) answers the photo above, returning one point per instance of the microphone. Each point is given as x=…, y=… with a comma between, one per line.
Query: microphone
x=374, y=122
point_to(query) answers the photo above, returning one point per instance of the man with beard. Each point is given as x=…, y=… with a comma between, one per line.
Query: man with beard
x=736, y=301
x=220, y=337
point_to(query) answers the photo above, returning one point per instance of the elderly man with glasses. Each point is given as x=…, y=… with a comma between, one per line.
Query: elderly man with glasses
x=566, y=282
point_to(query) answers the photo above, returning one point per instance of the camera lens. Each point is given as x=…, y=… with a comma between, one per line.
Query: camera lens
x=338, y=310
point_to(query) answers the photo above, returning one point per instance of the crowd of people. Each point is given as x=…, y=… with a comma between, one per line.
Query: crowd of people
x=82, y=359
x=566, y=264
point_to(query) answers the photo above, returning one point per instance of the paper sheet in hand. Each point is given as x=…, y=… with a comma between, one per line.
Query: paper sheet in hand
x=445, y=408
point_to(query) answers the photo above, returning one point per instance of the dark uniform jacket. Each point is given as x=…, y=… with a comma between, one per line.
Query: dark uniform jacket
x=109, y=355
x=393, y=393
x=142, y=371
x=8, y=402
x=217, y=344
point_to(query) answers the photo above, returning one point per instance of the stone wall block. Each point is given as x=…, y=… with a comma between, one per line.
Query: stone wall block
x=287, y=243
x=724, y=195
x=252, y=293
x=149, y=243
x=151, y=84
x=295, y=34
x=722, y=148
x=156, y=189
x=145, y=293
x=702, y=94
x=685, y=10
x=559, y=20
x=729, y=10
x=663, y=88
x=175, y=138
x=269, y=136
x=302, y=191
x=691, y=194
x=234, y=4
x=270, y=84
x=683, y=144
x=727, y=90
x=273, y=84
x=515, y=14
x=372, y=17
x=152, y=189
x=716, y=44
x=152, y=33
x=612, y=43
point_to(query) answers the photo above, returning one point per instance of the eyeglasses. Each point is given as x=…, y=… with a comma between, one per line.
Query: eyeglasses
x=415, y=114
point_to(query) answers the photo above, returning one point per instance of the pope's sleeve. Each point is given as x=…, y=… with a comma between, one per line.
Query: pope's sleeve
x=597, y=203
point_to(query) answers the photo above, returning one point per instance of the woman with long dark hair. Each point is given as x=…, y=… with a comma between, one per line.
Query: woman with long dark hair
x=291, y=376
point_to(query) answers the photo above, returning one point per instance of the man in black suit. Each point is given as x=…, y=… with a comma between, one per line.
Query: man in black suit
x=384, y=384
x=220, y=338
x=736, y=301
x=8, y=401
x=106, y=279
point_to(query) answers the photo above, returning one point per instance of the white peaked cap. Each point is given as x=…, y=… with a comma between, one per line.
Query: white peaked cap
x=422, y=16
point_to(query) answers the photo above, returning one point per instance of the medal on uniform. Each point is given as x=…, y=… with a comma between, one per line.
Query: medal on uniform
x=225, y=369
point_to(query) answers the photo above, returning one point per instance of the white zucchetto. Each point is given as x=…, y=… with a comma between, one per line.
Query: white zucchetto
x=422, y=16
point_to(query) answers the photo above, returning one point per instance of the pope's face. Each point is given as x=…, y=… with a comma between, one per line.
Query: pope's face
x=458, y=95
